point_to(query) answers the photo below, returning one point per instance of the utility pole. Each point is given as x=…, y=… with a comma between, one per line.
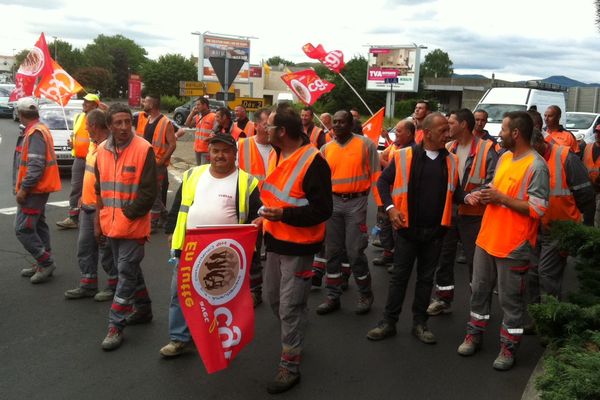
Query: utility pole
x=55, y=48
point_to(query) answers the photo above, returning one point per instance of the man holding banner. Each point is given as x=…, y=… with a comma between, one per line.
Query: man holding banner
x=218, y=193
x=297, y=201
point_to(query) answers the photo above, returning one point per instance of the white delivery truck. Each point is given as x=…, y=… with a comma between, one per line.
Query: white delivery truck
x=498, y=101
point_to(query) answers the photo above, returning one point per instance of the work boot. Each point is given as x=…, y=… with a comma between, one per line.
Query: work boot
x=382, y=331
x=424, y=334
x=384, y=260
x=470, y=345
x=68, y=223
x=28, y=272
x=105, y=295
x=137, y=317
x=176, y=348
x=256, y=298
x=438, y=307
x=42, y=274
x=505, y=359
x=284, y=380
x=113, y=339
x=80, y=293
x=364, y=303
x=377, y=243
x=328, y=306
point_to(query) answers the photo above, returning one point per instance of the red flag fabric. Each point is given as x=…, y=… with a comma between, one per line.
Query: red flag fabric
x=307, y=85
x=214, y=291
x=372, y=127
x=37, y=63
x=334, y=60
x=58, y=86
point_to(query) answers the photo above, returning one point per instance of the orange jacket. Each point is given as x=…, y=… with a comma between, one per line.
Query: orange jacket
x=314, y=135
x=283, y=188
x=248, y=129
x=50, y=180
x=204, y=129
x=250, y=159
x=504, y=230
x=81, y=136
x=419, y=136
x=159, y=138
x=88, y=194
x=119, y=182
x=592, y=167
x=354, y=165
x=561, y=203
x=403, y=162
x=563, y=138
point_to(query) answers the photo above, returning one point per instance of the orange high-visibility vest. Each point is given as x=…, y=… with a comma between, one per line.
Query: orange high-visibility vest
x=419, y=136
x=119, y=183
x=403, y=162
x=236, y=132
x=159, y=138
x=314, y=135
x=563, y=138
x=88, y=193
x=504, y=230
x=204, y=129
x=250, y=159
x=350, y=165
x=283, y=188
x=81, y=136
x=50, y=180
x=478, y=173
x=588, y=160
x=561, y=203
x=248, y=130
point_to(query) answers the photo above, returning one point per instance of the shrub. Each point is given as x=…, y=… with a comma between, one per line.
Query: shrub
x=170, y=103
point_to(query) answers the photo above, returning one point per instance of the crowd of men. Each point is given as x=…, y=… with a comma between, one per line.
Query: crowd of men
x=443, y=179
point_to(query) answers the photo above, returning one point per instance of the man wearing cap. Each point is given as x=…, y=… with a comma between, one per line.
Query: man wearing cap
x=212, y=194
x=35, y=176
x=80, y=144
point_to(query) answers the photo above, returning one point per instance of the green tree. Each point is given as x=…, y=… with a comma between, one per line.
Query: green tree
x=162, y=76
x=68, y=58
x=119, y=55
x=95, y=79
x=276, y=60
x=437, y=64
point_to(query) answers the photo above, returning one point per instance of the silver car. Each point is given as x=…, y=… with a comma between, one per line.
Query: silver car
x=583, y=124
x=52, y=116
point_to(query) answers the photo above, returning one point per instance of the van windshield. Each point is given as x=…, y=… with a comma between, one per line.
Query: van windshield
x=496, y=111
x=580, y=121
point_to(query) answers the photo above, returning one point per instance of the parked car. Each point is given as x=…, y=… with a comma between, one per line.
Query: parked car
x=52, y=116
x=583, y=125
x=6, y=107
x=181, y=113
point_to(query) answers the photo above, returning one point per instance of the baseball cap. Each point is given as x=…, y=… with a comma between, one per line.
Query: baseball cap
x=223, y=138
x=27, y=104
x=92, y=97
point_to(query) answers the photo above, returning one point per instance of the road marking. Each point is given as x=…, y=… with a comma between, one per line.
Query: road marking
x=8, y=211
x=59, y=203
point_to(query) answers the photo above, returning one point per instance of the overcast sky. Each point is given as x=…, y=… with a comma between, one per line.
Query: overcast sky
x=515, y=39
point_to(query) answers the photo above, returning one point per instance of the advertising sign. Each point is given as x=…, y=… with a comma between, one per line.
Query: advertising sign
x=217, y=46
x=135, y=91
x=386, y=64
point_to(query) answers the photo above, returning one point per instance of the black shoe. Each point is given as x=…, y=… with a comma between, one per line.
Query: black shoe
x=328, y=306
x=284, y=381
x=383, y=330
x=137, y=318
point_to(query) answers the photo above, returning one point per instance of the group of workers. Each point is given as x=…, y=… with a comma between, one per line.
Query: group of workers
x=441, y=179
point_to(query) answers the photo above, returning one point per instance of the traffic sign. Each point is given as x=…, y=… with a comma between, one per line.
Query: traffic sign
x=225, y=96
x=226, y=69
x=251, y=103
x=191, y=92
x=391, y=80
x=192, y=85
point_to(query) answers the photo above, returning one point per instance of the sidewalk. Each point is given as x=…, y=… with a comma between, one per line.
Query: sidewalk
x=183, y=157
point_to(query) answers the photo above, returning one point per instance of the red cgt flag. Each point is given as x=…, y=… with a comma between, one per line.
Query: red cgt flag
x=307, y=85
x=214, y=291
x=334, y=60
x=58, y=86
x=372, y=127
x=37, y=63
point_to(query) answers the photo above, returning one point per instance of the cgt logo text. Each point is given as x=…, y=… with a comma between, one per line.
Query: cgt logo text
x=230, y=335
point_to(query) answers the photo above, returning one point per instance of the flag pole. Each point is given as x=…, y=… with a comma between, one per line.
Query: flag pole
x=352, y=87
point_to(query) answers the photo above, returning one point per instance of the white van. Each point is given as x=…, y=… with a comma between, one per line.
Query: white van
x=284, y=97
x=498, y=101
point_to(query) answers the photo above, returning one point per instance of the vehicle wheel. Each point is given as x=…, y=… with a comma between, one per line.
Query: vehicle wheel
x=178, y=119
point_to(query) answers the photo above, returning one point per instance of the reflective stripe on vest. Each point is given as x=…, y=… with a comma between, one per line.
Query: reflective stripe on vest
x=314, y=135
x=250, y=159
x=205, y=126
x=558, y=186
x=561, y=203
x=159, y=137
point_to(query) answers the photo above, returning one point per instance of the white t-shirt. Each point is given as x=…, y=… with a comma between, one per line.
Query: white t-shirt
x=214, y=202
x=432, y=154
x=462, y=152
x=264, y=150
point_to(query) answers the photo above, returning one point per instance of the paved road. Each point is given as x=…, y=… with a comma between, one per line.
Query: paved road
x=50, y=347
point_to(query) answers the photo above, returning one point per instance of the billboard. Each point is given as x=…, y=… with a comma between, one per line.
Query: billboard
x=217, y=46
x=391, y=63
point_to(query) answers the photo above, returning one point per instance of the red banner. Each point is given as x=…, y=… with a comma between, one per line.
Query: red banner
x=37, y=63
x=307, y=85
x=334, y=60
x=135, y=91
x=372, y=127
x=58, y=86
x=214, y=291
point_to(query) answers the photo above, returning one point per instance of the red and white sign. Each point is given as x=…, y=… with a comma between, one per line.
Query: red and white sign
x=135, y=91
x=58, y=86
x=400, y=62
x=334, y=60
x=37, y=63
x=213, y=286
x=307, y=85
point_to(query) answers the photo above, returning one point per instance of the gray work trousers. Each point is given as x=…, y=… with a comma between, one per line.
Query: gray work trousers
x=386, y=235
x=511, y=278
x=89, y=252
x=202, y=158
x=548, y=266
x=131, y=293
x=158, y=207
x=77, y=172
x=287, y=286
x=31, y=229
x=346, y=232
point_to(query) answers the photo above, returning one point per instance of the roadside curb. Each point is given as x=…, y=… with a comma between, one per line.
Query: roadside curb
x=530, y=392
